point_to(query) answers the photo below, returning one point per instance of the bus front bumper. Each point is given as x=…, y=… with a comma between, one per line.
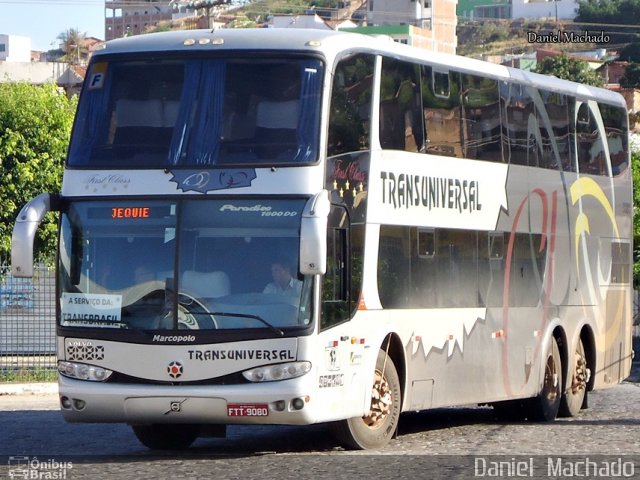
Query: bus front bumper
x=266, y=403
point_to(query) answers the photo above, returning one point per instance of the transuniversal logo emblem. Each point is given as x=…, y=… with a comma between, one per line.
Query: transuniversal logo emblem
x=206, y=181
x=175, y=369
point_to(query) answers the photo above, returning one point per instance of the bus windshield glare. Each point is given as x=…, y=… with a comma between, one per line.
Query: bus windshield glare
x=236, y=266
x=198, y=112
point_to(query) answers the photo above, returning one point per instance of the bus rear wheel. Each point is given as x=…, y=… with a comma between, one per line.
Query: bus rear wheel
x=575, y=397
x=545, y=406
x=167, y=436
x=377, y=427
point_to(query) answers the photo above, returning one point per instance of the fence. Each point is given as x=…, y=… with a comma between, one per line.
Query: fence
x=27, y=325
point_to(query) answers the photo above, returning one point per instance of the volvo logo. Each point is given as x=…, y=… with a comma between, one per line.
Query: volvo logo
x=175, y=406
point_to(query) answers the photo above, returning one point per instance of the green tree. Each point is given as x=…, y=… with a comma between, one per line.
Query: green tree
x=635, y=171
x=630, y=53
x=631, y=77
x=621, y=12
x=610, y=12
x=563, y=66
x=74, y=46
x=35, y=123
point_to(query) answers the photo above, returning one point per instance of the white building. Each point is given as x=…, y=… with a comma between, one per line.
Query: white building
x=394, y=12
x=14, y=48
x=561, y=9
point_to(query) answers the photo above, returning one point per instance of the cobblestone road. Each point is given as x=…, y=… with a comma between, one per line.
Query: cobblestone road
x=446, y=443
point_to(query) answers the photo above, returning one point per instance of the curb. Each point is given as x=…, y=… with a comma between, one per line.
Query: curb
x=49, y=388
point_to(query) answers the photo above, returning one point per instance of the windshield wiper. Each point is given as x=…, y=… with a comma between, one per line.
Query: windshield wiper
x=271, y=327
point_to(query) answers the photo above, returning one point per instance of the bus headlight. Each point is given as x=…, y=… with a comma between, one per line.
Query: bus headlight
x=281, y=371
x=82, y=371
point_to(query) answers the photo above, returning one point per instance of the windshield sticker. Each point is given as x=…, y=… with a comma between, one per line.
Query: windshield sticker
x=99, y=71
x=91, y=307
x=330, y=381
x=206, y=181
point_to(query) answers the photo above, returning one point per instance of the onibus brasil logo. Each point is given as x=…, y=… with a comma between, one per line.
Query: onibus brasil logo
x=34, y=468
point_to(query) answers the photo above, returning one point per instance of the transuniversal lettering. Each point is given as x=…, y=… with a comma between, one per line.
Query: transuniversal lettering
x=268, y=355
x=406, y=190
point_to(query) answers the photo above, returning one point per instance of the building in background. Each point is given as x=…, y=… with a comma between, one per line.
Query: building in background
x=558, y=10
x=133, y=17
x=14, y=48
x=483, y=9
x=429, y=24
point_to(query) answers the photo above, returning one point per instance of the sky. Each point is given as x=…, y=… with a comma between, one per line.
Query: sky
x=44, y=20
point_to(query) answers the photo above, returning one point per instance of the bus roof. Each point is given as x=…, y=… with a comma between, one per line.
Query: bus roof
x=330, y=43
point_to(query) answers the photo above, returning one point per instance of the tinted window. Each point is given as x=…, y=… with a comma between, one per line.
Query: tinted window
x=177, y=112
x=481, y=118
x=615, y=127
x=441, y=110
x=591, y=156
x=555, y=151
x=236, y=267
x=401, y=123
x=350, y=109
x=519, y=113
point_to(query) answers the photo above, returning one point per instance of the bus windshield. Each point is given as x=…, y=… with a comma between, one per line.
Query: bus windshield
x=171, y=112
x=236, y=266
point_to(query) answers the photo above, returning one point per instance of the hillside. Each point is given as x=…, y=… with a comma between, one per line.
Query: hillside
x=500, y=37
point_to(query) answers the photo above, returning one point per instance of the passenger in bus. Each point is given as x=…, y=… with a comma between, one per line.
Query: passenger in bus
x=284, y=283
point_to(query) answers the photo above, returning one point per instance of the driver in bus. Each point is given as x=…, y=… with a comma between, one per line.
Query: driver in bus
x=284, y=283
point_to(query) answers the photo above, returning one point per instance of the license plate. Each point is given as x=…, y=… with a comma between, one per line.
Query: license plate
x=242, y=410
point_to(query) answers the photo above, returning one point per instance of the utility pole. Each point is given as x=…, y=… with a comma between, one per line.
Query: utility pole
x=207, y=5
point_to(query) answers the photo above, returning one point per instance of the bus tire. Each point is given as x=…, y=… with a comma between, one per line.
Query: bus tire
x=575, y=396
x=379, y=425
x=167, y=436
x=544, y=407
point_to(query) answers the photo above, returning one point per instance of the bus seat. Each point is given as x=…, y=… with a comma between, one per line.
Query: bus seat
x=169, y=114
x=205, y=284
x=276, y=124
x=138, y=113
x=271, y=114
x=139, y=122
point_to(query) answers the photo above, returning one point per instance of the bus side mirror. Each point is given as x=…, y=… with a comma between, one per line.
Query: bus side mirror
x=313, y=235
x=24, y=232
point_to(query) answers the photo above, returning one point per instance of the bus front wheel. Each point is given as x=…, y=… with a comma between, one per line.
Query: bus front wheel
x=377, y=427
x=167, y=436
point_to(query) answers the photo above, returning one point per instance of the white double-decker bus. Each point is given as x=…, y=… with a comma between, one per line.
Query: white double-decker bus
x=298, y=226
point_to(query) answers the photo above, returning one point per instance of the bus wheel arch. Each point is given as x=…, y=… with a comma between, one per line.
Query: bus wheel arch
x=589, y=343
x=380, y=424
x=545, y=405
x=393, y=345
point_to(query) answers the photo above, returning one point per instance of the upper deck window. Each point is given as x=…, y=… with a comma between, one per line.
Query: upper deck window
x=188, y=112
